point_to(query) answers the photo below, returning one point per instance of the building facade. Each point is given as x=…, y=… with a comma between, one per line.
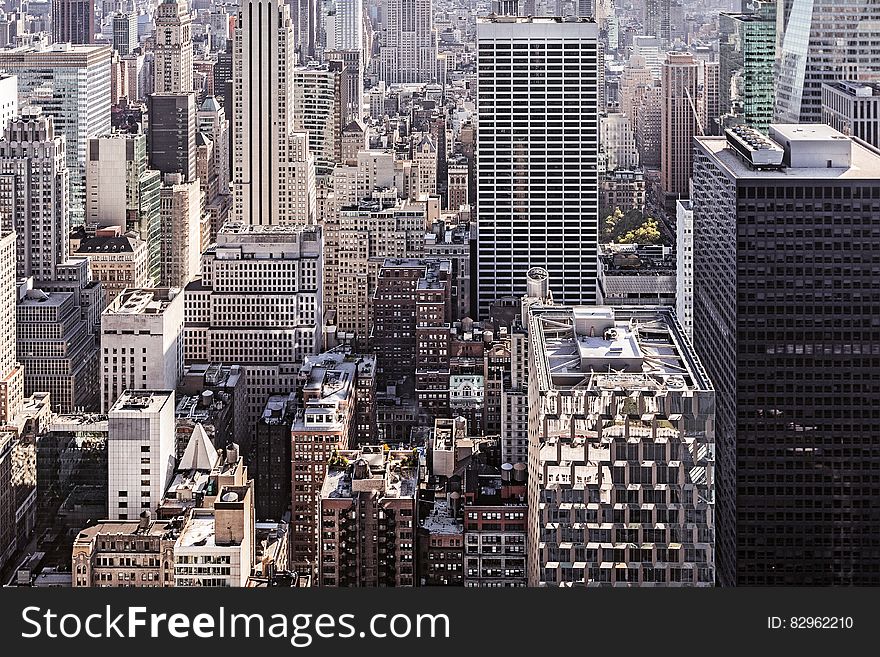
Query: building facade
x=795, y=402
x=531, y=212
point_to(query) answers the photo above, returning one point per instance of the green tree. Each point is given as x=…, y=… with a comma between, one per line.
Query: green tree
x=647, y=233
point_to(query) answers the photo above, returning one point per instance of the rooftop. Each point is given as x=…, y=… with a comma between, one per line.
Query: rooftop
x=605, y=348
x=856, y=88
x=440, y=519
x=391, y=473
x=141, y=401
x=145, y=301
x=121, y=244
x=808, y=150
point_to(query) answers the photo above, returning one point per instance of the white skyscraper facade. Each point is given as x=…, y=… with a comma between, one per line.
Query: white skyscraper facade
x=408, y=51
x=345, y=27
x=273, y=171
x=537, y=156
x=140, y=452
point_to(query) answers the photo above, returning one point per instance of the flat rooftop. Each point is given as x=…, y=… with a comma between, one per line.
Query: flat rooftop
x=145, y=301
x=141, y=401
x=441, y=521
x=602, y=348
x=864, y=163
x=856, y=88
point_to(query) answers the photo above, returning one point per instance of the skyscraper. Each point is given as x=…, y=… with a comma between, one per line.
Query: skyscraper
x=656, y=20
x=171, y=133
x=33, y=194
x=537, y=155
x=173, y=63
x=140, y=452
x=123, y=191
x=273, y=170
x=620, y=486
x=11, y=372
x=785, y=302
x=258, y=304
x=821, y=41
x=73, y=21
x=141, y=342
x=746, y=53
x=346, y=29
x=408, y=50
x=679, y=124
x=72, y=85
x=125, y=33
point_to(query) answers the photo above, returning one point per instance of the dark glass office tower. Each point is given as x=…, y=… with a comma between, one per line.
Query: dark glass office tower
x=787, y=324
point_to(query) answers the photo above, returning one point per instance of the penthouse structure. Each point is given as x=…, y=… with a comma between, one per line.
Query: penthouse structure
x=621, y=450
x=367, y=511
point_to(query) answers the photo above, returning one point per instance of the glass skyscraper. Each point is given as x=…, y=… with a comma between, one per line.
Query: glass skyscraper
x=746, y=54
x=822, y=41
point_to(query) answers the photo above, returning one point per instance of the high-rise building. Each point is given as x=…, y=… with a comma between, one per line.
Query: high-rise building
x=73, y=21
x=141, y=342
x=640, y=463
x=325, y=423
x=180, y=219
x=125, y=33
x=273, y=170
x=317, y=109
x=11, y=372
x=679, y=125
x=173, y=63
x=618, y=142
x=350, y=64
x=72, y=85
x=746, y=54
x=56, y=347
x=357, y=238
x=345, y=29
x=33, y=194
x=532, y=209
x=853, y=109
x=412, y=312
x=821, y=41
x=656, y=19
x=272, y=458
x=8, y=98
x=369, y=492
x=408, y=42
x=684, y=266
x=710, y=100
x=791, y=345
x=213, y=163
x=140, y=452
x=258, y=304
x=171, y=133
x=121, y=190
